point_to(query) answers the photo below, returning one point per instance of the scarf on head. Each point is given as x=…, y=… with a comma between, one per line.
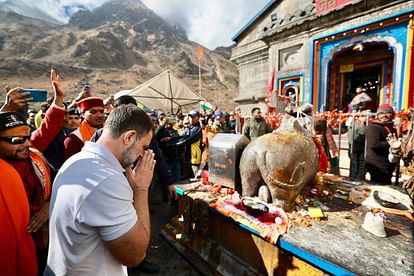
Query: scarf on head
x=86, y=131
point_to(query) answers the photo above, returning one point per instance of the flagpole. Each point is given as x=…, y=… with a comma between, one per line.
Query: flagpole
x=200, y=54
x=199, y=77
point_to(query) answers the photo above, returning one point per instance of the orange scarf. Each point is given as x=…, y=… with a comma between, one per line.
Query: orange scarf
x=42, y=171
x=86, y=131
x=17, y=250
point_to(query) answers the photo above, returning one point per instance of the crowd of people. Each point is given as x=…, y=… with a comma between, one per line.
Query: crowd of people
x=76, y=175
x=63, y=211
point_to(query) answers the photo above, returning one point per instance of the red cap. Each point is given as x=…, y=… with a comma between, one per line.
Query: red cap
x=90, y=102
x=385, y=108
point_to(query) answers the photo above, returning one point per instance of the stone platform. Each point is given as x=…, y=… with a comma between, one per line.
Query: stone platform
x=337, y=245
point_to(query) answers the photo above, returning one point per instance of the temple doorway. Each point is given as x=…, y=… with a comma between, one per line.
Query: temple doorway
x=367, y=78
x=368, y=65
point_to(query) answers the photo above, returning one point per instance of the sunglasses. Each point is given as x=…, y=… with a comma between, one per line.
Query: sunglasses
x=15, y=140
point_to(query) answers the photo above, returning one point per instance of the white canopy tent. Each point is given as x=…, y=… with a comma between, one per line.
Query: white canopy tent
x=164, y=92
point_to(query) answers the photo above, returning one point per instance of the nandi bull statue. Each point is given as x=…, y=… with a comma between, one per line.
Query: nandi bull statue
x=285, y=161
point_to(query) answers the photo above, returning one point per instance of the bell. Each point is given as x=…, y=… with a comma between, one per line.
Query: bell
x=374, y=224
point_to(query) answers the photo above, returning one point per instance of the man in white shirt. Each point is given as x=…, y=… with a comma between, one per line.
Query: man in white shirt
x=360, y=100
x=99, y=218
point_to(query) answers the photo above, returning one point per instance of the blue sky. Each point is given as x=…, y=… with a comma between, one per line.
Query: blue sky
x=211, y=23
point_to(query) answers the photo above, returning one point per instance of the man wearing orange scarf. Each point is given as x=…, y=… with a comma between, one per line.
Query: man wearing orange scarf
x=23, y=152
x=93, y=112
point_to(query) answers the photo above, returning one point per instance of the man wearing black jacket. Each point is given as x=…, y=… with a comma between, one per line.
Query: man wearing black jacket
x=377, y=132
x=169, y=150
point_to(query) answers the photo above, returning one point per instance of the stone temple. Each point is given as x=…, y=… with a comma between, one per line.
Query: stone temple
x=321, y=50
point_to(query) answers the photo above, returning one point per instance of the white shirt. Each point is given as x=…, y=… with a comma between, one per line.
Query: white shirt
x=361, y=98
x=91, y=202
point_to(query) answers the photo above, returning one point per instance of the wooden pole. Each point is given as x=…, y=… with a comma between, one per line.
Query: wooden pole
x=199, y=77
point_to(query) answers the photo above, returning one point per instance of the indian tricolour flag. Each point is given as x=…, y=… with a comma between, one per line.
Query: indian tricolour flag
x=204, y=105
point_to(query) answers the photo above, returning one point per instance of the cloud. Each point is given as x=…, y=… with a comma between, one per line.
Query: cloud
x=211, y=23
x=68, y=7
x=58, y=9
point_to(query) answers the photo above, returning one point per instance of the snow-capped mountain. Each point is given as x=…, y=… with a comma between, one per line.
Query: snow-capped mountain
x=47, y=10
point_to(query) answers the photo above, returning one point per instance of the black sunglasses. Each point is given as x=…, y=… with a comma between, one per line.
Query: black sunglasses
x=15, y=140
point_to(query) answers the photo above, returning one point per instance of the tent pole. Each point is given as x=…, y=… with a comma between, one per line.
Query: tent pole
x=171, y=93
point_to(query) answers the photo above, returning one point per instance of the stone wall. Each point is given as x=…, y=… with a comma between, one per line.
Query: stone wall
x=253, y=78
x=292, y=57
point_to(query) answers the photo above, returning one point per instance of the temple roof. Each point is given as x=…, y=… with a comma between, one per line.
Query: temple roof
x=284, y=15
x=304, y=13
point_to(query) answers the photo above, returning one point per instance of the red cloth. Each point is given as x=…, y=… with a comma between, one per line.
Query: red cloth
x=35, y=194
x=17, y=250
x=264, y=224
x=40, y=140
x=75, y=141
x=90, y=102
x=270, y=85
x=72, y=145
x=49, y=128
x=323, y=165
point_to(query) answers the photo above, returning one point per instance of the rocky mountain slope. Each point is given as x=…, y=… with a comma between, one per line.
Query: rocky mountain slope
x=114, y=47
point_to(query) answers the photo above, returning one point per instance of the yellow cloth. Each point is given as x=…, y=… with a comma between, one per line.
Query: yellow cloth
x=196, y=153
x=315, y=212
